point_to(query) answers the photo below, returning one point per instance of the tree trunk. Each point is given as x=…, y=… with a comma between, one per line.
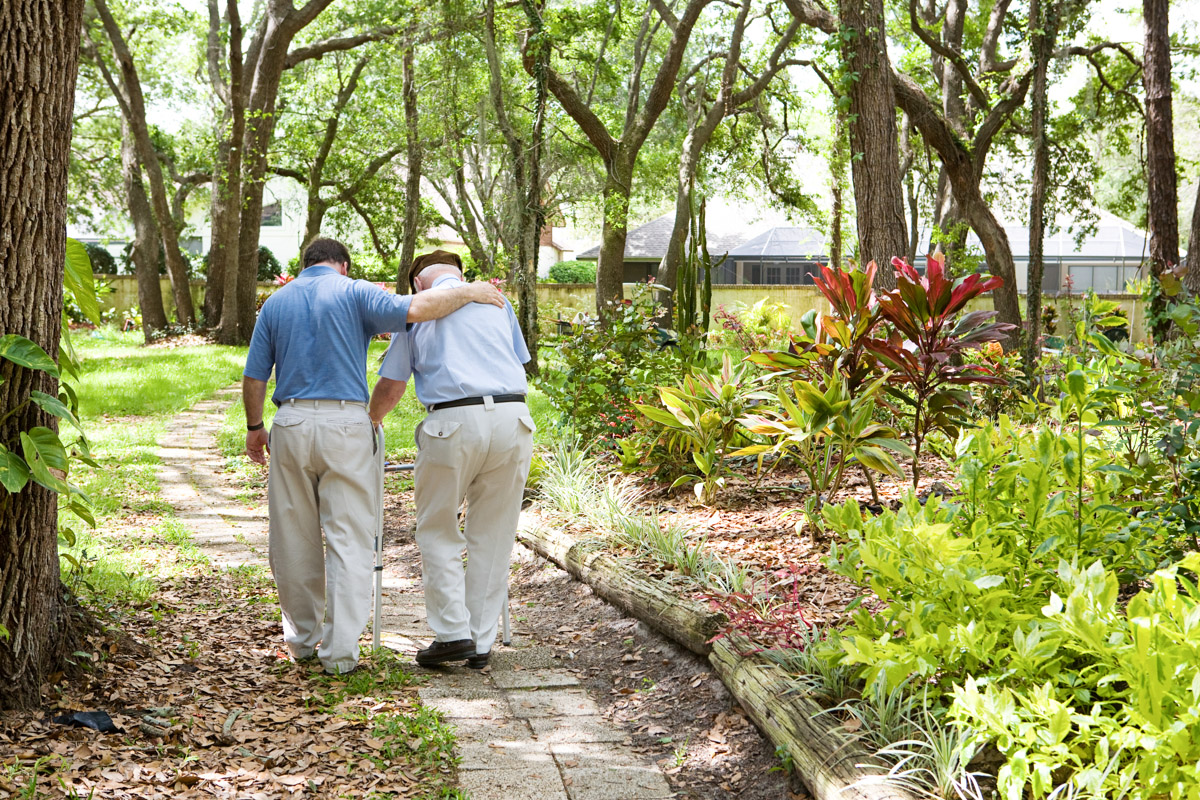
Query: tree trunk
x=144, y=247
x=875, y=165
x=412, y=183
x=1191, y=279
x=1043, y=20
x=39, y=46
x=1163, y=199
x=610, y=270
x=133, y=108
x=964, y=179
x=225, y=272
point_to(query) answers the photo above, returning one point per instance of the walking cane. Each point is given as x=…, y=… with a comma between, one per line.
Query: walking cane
x=379, y=455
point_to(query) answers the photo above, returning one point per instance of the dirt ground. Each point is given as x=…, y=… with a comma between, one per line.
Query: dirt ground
x=672, y=705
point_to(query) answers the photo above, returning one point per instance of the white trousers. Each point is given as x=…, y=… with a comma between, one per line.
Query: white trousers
x=323, y=475
x=480, y=454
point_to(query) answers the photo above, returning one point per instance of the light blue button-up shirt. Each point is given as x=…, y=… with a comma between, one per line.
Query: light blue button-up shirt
x=476, y=351
x=315, y=331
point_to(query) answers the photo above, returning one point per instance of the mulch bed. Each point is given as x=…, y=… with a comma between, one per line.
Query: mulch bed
x=208, y=704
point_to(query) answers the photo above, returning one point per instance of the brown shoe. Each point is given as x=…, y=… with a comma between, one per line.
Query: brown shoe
x=441, y=652
x=479, y=660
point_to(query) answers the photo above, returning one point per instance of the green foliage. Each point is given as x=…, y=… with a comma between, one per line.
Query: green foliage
x=1123, y=721
x=103, y=261
x=594, y=374
x=827, y=431
x=699, y=420
x=573, y=272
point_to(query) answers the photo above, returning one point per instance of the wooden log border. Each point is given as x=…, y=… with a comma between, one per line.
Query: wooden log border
x=827, y=761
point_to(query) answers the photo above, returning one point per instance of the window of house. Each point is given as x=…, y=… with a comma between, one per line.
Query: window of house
x=272, y=215
x=772, y=276
x=794, y=276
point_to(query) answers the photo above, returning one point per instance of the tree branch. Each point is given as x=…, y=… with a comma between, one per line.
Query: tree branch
x=813, y=14
x=953, y=56
x=338, y=44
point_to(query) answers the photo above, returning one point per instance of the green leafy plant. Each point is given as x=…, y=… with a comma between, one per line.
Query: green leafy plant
x=824, y=432
x=573, y=272
x=39, y=454
x=699, y=419
x=594, y=374
x=926, y=340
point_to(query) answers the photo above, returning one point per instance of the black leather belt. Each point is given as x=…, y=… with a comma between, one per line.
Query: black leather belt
x=478, y=401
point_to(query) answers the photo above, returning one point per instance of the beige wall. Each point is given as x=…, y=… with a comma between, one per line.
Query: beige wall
x=564, y=300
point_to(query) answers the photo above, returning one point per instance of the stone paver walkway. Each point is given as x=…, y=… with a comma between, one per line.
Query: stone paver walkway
x=526, y=730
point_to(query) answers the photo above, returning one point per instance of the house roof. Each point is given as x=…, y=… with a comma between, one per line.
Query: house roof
x=1114, y=240
x=784, y=242
x=649, y=242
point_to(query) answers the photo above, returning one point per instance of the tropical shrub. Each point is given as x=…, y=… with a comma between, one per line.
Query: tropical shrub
x=698, y=420
x=573, y=272
x=826, y=431
x=594, y=373
x=835, y=341
x=926, y=341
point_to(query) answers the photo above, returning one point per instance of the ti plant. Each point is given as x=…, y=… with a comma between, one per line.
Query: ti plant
x=700, y=419
x=834, y=341
x=826, y=431
x=924, y=343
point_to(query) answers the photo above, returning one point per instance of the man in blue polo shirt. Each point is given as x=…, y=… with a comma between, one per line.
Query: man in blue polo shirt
x=475, y=444
x=314, y=332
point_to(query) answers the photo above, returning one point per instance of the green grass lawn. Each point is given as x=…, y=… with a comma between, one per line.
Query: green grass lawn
x=128, y=393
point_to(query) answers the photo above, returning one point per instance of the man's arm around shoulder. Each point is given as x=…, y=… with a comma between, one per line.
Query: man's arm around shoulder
x=437, y=303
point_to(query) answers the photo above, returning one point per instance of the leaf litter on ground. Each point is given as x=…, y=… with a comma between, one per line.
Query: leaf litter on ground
x=209, y=704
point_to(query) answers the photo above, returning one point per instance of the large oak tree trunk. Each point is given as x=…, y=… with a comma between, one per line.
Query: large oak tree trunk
x=875, y=165
x=144, y=248
x=1160, y=154
x=610, y=270
x=39, y=47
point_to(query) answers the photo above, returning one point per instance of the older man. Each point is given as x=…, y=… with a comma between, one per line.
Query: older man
x=314, y=332
x=475, y=444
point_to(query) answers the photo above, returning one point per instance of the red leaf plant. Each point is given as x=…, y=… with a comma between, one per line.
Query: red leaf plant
x=926, y=338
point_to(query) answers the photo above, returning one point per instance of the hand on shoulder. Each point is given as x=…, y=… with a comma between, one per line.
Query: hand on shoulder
x=485, y=292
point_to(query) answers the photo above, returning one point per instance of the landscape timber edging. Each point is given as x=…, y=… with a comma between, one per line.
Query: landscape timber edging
x=678, y=618
x=827, y=762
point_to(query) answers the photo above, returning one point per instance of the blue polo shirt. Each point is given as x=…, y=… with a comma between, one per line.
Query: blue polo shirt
x=478, y=350
x=315, y=331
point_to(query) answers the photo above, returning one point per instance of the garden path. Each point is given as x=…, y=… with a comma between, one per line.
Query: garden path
x=526, y=730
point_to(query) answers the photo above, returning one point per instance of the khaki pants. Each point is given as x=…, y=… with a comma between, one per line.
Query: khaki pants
x=480, y=454
x=324, y=476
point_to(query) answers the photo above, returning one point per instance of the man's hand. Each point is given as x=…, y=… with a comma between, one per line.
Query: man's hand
x=257, y=443
x=484, y=292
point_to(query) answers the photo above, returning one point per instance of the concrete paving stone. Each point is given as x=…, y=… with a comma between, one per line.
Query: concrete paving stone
x=499, y=754
x=616, y=783
x=585, y=755
x=533, y=679
x=463, y=703
x=564, y=730
x=531, y=783
x=553, y=703
x=523, y=654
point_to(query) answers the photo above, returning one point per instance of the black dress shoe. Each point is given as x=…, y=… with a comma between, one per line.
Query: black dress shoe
x=441, y=652
x=479, y=660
